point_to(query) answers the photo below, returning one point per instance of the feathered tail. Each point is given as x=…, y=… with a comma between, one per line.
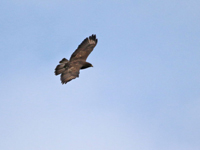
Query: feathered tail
x=61, y=67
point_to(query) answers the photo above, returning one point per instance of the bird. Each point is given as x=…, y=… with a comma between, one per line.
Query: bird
x=70, y=69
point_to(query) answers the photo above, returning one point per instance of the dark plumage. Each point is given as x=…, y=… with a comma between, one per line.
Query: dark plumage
x=69, y=69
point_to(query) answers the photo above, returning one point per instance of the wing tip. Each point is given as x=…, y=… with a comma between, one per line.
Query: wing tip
x=93, y=38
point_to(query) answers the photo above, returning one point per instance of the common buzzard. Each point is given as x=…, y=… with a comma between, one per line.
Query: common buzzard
x=69, y=69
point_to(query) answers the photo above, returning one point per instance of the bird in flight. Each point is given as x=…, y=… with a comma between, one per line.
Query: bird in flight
x=69, y=69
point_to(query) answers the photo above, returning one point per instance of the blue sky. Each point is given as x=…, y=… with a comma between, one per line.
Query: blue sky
x=141, y=94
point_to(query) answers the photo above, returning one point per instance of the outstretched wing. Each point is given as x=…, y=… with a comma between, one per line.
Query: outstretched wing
x=71, y=72
x=85, y=48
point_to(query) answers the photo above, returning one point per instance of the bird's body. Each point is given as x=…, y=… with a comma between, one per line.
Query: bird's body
x=69, y=69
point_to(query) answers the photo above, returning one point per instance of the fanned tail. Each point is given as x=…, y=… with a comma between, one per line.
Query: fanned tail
x=61, y=67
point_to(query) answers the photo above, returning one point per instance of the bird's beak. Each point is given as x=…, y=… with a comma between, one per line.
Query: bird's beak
x=92, y=66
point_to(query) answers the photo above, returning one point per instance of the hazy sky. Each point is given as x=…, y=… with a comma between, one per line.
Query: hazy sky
x=143, y=92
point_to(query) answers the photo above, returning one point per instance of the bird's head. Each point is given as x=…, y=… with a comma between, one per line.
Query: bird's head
x=86, y=65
